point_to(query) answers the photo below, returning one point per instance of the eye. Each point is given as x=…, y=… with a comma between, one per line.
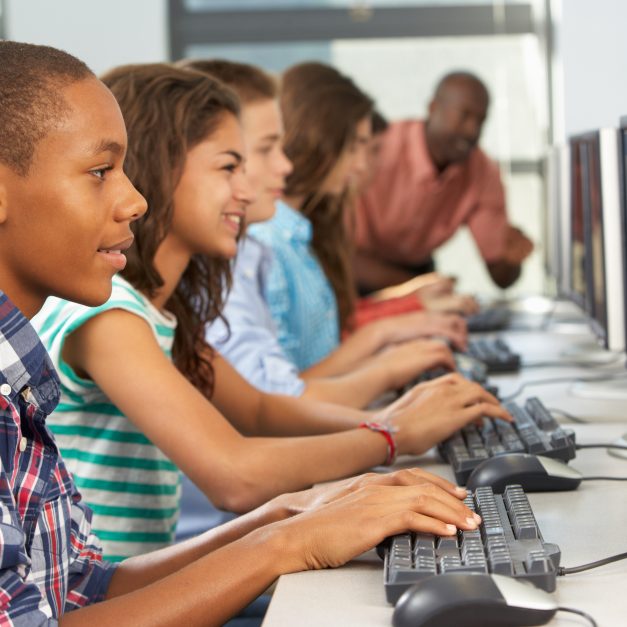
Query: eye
x=100, y=173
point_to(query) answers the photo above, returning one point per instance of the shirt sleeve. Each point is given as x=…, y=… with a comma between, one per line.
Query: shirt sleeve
x=488, y=222
x=21, y=603
x=277, y=296
x=254, y=351
x=89, y=576
x=368, y=310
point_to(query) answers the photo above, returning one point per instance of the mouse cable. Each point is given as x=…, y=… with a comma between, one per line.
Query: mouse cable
x=578, y=447
x=604, y=478
x=573, y=364
x=561, y=571
x=526, y=384
x=567, y=415
x=572, y=610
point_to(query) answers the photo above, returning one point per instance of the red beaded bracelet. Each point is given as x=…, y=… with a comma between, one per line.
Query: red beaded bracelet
x=388, y=433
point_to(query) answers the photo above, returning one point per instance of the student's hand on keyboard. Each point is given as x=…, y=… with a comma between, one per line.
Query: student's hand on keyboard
x=334, y=533
x=432, y=411
x=305, y=500
x=410, y=326
x=404, y=362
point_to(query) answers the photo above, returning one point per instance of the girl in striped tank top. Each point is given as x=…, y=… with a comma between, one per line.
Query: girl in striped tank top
x=144, y=396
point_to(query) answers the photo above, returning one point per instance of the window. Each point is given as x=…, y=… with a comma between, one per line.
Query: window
x=396, y=50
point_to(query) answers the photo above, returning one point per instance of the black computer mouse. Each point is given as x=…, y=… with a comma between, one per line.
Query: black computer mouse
x=473, y=600
x=534, y=473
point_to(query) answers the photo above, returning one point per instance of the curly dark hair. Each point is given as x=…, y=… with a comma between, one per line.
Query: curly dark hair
x=167, y=112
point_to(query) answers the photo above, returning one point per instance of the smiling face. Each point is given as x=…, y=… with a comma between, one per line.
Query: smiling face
x=352, y=163
x=211, y=197
x=456, y=118
x=267, y=167
x=64, y=225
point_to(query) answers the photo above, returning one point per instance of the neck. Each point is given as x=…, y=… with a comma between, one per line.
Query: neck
x=171, y=260
x=295, y=202
x=432, y=148
x=26, y=301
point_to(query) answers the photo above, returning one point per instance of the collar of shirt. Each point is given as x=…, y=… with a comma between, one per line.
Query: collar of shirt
x=25, y=366
x=253, y=260
x=291, y=223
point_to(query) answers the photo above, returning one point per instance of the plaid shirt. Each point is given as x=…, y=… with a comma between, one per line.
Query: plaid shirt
x=50, y=562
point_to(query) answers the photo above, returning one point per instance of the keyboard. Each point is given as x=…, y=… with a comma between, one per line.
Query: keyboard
x=534, y=431
x=495, y=354
x=492, y=319
x=507, y=542
x=469, y=367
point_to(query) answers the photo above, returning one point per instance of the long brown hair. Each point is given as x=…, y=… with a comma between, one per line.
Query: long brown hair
x=167, y=112
x=321, y=109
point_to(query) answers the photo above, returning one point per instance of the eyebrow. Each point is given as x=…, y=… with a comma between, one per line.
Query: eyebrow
x=233, y=154
x=271, y=137
x=106, y=145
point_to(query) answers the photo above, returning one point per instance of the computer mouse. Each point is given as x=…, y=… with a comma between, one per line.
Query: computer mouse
x=534, y=473
x=473, y=600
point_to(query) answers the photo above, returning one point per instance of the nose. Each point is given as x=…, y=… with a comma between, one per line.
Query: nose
x=361, y=160
x=285, y=165
x=242, y=189
x=134, y=205
x=472, y=128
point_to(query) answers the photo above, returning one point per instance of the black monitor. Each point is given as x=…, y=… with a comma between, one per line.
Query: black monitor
x=596, y=240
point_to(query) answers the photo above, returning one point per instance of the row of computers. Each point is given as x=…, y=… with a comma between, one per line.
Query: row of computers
x=585, y=258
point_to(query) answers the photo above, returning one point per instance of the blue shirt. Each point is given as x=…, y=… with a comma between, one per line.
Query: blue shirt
x=50, y=561
x=300, y=297
x=252, y=347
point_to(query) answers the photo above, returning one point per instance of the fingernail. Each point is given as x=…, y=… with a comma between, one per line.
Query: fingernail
x=477, y=518
x=471, y=522
x=461, y=491
x=451, y=529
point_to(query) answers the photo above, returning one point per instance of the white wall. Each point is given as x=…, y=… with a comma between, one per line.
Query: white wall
x=591, y=47
x=103, y=34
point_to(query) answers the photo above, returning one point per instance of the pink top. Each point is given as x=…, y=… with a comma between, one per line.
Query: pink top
x=410, y=208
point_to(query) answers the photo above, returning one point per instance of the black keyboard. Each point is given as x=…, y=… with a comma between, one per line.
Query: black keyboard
x=469, y=367
x=492, y=319
x=495, y=354
x=534, y=431
x=507, y=542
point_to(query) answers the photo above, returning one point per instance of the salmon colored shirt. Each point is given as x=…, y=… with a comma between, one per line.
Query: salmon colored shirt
x=410, y=209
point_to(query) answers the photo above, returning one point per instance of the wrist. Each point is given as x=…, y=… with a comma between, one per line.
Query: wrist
x=388, y=432
x=283, y=544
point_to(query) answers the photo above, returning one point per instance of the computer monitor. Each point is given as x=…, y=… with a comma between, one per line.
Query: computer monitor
x=597, y=257
x=551, y=218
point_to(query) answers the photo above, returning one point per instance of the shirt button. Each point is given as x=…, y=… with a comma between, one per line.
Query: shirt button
x=5, y=389
x=22, y=445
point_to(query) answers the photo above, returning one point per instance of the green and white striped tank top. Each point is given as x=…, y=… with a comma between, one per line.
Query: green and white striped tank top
x=131, y=486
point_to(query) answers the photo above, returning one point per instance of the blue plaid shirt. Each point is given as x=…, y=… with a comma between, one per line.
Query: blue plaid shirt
x=298, y=293
x=50, y=562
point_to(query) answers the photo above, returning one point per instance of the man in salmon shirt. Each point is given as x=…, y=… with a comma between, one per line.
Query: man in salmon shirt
x=432, y=179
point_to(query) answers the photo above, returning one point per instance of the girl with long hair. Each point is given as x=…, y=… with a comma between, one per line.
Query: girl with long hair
x=144, y=396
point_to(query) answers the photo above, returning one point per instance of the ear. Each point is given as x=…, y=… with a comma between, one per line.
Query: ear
x=431, y=108
x=4, y=198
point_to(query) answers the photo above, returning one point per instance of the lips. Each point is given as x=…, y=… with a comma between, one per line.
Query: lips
x=118, y=247
x=113, y=254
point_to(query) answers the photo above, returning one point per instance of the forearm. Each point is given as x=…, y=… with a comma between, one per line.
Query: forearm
x=138, y=572
x=372, y=273
x=355, y=389
x=297, y=416
x=206, y=592
x=267, y=467
x=350, y=355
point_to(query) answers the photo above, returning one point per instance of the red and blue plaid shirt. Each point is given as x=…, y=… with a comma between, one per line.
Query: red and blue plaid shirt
x=50, y=562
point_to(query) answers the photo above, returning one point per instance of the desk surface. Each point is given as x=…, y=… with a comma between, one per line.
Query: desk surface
x=587, y=524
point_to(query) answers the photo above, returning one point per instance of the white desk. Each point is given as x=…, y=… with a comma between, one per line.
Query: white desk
x=588, y=524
